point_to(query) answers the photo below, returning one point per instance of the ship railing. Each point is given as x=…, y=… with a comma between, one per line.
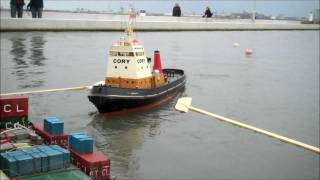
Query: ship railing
x=170, y=74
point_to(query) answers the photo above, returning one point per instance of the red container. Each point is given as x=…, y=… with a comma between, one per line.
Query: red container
x=13, y=110
x=94, y=164
x=60, y=139
x=13, y=106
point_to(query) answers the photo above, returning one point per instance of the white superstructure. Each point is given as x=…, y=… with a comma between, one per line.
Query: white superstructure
x=128, y=66
x=128, y=60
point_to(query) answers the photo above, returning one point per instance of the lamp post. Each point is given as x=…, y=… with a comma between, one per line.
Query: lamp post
x=254, y=11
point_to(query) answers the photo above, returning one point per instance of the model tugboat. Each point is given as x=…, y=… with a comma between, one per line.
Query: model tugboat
x=131, y=83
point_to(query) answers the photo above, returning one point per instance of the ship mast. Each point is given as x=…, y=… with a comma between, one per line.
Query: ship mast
x=129, y=29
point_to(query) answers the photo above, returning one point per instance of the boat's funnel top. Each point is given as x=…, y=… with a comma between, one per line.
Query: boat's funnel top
x=157, y=62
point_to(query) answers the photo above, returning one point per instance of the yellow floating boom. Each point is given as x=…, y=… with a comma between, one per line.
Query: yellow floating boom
x=184, y=105
x=43, y=91
x=52, y=90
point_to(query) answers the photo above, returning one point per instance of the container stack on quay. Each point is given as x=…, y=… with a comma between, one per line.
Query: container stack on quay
x=46, y=151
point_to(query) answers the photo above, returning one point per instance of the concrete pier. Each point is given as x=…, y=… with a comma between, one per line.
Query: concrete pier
x=70, y=21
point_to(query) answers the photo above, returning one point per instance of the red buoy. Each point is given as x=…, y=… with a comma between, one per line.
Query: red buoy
x=248, y=52
x=157, y=62
x=135, y=41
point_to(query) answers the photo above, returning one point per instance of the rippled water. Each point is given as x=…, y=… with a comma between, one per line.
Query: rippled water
x=276, y=89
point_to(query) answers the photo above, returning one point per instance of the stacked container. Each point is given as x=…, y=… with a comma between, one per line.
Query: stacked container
x=81, y=143
x=66, y=155
x=52, y=131
x=53, y=125
x=93, y=163
x=34, y=160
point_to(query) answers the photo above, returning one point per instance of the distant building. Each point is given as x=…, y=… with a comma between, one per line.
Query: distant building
x=262, y=16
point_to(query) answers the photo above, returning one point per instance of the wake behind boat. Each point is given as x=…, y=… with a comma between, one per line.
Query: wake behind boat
x=131, y=83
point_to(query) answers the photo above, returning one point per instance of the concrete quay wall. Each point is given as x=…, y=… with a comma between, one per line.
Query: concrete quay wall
x=8, y=24
x=63, y=21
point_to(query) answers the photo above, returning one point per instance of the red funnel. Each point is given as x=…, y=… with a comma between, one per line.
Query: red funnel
x=157, y=61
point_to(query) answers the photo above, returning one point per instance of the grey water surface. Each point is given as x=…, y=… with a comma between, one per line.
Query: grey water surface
x=276, y=89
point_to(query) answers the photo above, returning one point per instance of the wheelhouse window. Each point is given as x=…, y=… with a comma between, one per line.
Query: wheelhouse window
x=113, y=53
x=139, y=53
x=125, y=54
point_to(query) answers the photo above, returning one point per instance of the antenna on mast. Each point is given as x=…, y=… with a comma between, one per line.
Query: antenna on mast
x=132, y=17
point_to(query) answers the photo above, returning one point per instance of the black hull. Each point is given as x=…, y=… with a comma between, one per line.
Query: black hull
x=111, y=99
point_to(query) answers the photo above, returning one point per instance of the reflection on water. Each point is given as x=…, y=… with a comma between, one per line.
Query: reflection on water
x=36, y=48
x=19, y=51
x=120, y=136
x=28, y=69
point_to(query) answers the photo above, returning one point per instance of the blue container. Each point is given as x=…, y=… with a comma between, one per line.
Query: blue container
x=85, y=145
x=66, y=155
x=16, y=153
x=43, y=148
x=27, y=150
x=47, y=122
x=10, y=166
x=57, y=127
x=36, y=162
x=71, y=138
x=54, y=146
x=53, y=125
x=44, y=162
x=25, y=164
x=35, y=150
x=2, y=160
x=81, y=143
x=55, y=159
x=76, y=141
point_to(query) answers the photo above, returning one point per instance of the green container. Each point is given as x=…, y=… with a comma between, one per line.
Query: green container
x=64, y=174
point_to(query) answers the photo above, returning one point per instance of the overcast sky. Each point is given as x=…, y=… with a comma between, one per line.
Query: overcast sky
x=297, y=8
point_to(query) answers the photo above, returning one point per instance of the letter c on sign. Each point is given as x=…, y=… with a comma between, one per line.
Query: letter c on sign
x=7, y=108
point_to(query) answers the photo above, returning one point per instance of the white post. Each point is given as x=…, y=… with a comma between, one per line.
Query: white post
x=254, y=12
